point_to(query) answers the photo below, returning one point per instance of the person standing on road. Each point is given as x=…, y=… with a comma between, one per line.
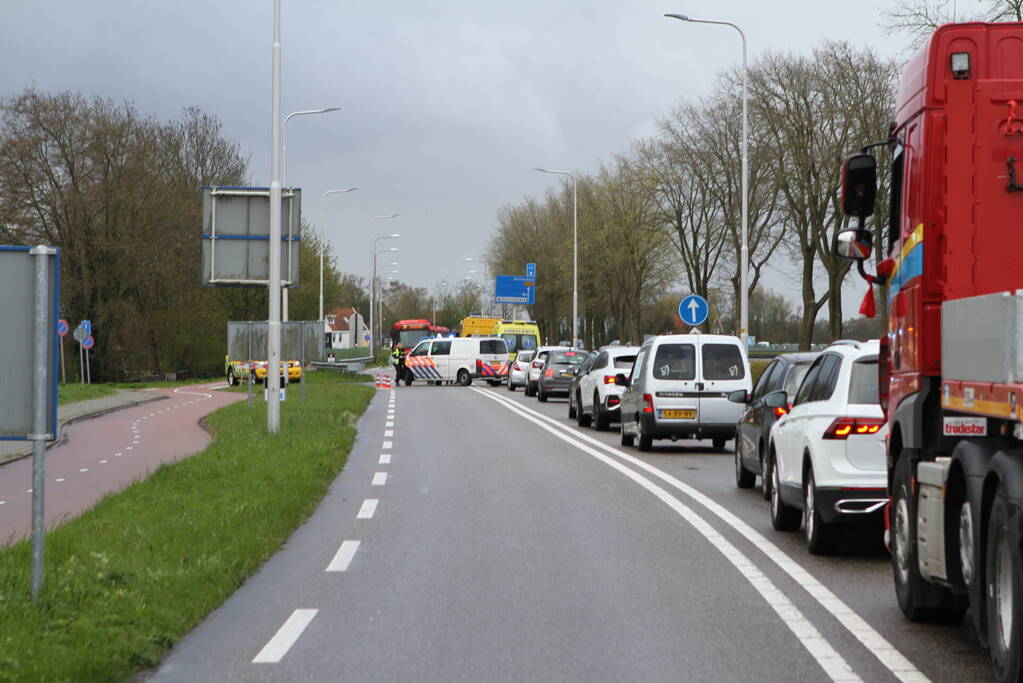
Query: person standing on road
x=397, y=362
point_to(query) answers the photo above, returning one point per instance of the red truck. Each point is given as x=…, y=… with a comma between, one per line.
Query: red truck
x=951, y=366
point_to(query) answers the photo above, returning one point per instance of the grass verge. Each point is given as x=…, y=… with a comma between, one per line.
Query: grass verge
x=72, y=393
x=131, y=576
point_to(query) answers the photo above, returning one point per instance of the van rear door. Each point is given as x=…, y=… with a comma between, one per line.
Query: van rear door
x=722, y=370
x=673, y=382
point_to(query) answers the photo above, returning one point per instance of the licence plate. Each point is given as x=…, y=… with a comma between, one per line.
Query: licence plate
x=566, y=374
x=679, y=414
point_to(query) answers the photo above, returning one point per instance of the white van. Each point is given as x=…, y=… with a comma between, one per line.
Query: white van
x=458, y=359
x=679, y=388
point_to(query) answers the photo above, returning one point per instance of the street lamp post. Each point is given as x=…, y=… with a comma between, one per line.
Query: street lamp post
x=575, y=247
x=323, y=199
x=443, y=284
x=373, y=280
x=486, y=282
x=284, y=178
x=273, y=351
x=744, y=245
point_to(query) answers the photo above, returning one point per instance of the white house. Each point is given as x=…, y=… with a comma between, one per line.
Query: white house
x=345, y=328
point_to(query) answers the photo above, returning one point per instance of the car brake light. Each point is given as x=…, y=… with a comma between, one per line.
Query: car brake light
x=613, y=401
x=609, y=379
x=844, y=427
x=648, y=403
x=549, y=373
x=780, y=411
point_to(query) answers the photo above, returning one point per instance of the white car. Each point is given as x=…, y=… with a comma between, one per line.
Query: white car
x=517, y=371
x=536, y=367
x=827, y=452
x=598, y=397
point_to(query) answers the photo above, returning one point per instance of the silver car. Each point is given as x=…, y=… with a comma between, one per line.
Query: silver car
x=518, y=371
x=536, y=367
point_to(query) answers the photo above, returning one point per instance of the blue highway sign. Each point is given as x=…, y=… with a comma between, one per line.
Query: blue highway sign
x=514, y=289
x=693, y=310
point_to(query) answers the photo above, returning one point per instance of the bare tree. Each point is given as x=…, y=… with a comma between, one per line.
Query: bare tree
x=919, y=18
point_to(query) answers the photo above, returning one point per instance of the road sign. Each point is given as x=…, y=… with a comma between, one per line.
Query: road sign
x=79, y=334
x=62, y=327
x=88, y=342
x=514, y=289
x=531, y=270
x=87, y=326
x=693, y=310
x=365, y=337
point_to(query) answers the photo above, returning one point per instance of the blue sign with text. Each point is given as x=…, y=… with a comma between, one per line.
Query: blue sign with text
x=514, y=289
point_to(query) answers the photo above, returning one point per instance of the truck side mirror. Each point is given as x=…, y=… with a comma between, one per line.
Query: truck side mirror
x=859, y=185
x=854, y=243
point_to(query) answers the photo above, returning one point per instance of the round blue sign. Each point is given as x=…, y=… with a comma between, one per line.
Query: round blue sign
x=88, y=342
x=62, y=327
x=693, y=310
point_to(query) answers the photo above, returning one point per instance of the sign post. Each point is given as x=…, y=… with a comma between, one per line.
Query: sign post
x=62, y=330
x=693, y=310
x=79, y=335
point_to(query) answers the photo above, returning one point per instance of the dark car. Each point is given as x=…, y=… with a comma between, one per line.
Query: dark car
x=559, y=368
x=573, y=388
x=783, y=374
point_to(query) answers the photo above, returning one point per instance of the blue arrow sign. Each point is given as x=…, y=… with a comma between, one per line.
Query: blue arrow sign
x=693, y=310
x=87, y=326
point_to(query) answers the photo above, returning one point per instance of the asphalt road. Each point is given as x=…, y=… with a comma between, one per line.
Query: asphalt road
x=98, y=456
x=476, y=535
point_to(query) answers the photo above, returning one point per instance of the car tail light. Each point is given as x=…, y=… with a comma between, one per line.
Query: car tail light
x=613, y=401
x=781, y=411
x=648, y=403
x=609, y=379
x=549, y=373
x=538, y=364
x=844, y=427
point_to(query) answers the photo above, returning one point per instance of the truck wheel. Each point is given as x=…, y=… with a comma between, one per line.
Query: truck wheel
x=821, y=538
x=600, y=421
x=783, y=517
x=918, y=600
x=1004, y=593
x=464, y=378
x=744, y=479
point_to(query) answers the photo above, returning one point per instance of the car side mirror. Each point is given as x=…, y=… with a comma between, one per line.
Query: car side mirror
x=740, y=396
x=859, y=185
x=621, y=380
x=776, y=399
x=855, y=244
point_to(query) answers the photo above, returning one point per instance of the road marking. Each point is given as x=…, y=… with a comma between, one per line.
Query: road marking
x=3, y=502
x=368, y=509
x=84, y=469
x=118, y=455
x=128, y=448
x=102, y=462
x=388, y=432
x=389, y=423
x=885, y=652
x=29, y=491
x=379, y=479
x=387, y=445
x=60, y=479
x=344, y=556
x=285, y=637
x=385, y=459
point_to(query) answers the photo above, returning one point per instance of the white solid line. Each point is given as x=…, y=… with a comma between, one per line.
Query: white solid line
x=387, y=445
x=379, y=479
x=285, y=637
x=344, y=556
x=388, y=432
x=885, y=652
x=833, y=664
x=369, y=507
x=385, y=459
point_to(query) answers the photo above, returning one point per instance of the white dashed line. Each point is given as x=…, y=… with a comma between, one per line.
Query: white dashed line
x=60, y=479
x=380, y=478
x=29, y=491
x=389, y=423
x=285, y=637
x=102, y=462
x=118, y=455
x=3, y=502
x=387, y=445
x=385, y=459
x=388, y=432
x=128, y=448
x=84, y=469
x=344, y=556
x=369, y=507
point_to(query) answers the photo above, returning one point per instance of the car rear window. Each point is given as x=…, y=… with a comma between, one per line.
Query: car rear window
x=863, y=382
x=624, y=362
x=796, y=374
x=525, y=356
x=675, y=361
x=722, y=361
x=568, y=358
x=493, y=346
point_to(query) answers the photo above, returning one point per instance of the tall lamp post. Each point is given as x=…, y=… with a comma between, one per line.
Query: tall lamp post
x=443, y=285
x=284, y=178
x=744, y=248
x=373, y=279
x=273, y=337
x=380, y=301
x=486, y=281
x=575, y=247
x=323, y=199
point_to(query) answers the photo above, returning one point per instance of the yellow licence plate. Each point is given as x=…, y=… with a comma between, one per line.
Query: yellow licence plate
x=682, y=414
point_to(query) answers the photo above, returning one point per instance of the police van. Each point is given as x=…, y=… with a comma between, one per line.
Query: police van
x=458, y=359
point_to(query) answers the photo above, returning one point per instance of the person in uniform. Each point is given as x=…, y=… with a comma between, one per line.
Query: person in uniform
x=398, y=361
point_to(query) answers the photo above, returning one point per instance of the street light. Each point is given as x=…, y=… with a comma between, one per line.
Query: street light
x=284, y=183
x=486, y=281
x=373, y=279
x=323, y=199
x=744, y=248
x=443, y=284
x=575, y=246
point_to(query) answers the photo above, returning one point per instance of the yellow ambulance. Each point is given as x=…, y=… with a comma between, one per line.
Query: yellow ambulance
x=519, y=335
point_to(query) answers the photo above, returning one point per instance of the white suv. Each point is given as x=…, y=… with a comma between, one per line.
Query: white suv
x=827, y=453
x=598, y=396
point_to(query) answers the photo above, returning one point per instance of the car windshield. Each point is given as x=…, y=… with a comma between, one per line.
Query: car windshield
x=675, y=361
x=796, y=374
x=409, y=337
x=624, y=362
x=567, y=358
x=863, y=382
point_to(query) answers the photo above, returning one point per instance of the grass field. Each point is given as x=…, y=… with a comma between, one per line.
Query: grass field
x=130, y=577
x=72, y=393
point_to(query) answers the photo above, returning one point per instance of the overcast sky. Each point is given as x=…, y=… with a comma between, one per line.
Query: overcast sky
x=447, y=105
